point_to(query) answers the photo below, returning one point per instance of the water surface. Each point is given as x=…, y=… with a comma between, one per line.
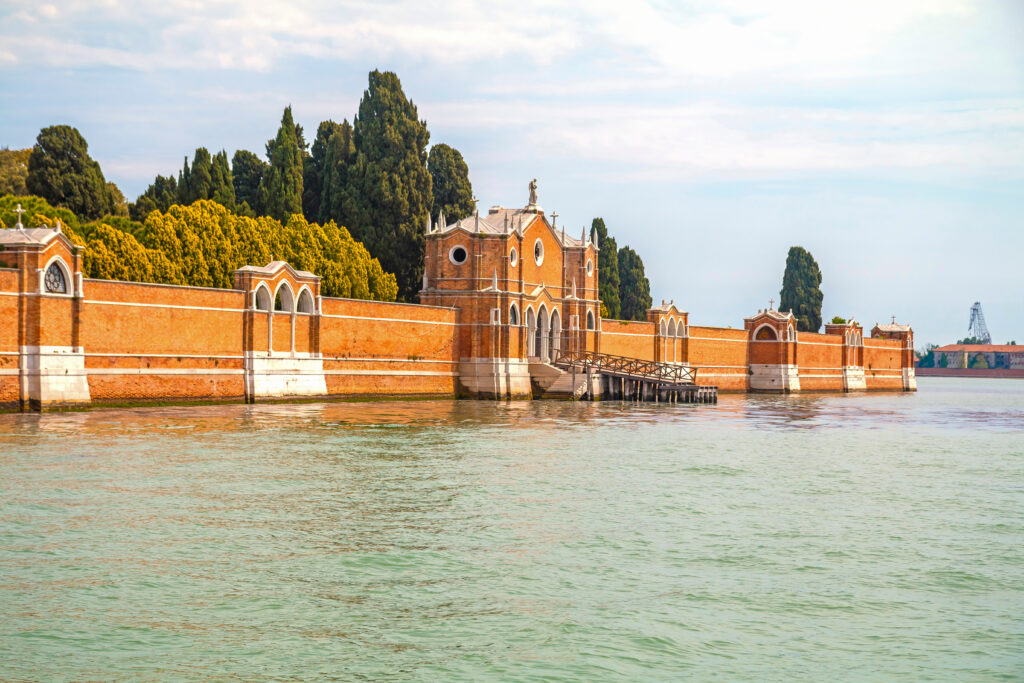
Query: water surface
x=766, y=538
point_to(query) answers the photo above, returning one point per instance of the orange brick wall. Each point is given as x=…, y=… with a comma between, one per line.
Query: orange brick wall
x=374, y=348
x=882, y=364
x=820, y=361
x=628, y=338
x=720, y=356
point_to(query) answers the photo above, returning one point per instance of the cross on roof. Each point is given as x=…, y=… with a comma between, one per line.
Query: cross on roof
x=554, y=218
x=771, y=304
x=19, y=211
x=894, y=320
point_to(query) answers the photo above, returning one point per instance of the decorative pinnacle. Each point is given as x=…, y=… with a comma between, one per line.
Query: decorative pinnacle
x=476, y=210
x=771, y=304
x=554, y=218
x=894, y=320
x=19, y=211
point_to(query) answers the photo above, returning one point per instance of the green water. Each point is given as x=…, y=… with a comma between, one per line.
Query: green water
x=765, y=538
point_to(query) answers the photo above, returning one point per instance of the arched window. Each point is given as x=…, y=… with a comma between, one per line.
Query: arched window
x=55, y=281
x=543, y=329
x=662, y=327
x=284, y=301
x=513, y=257
x=531, y=329
x=513, y=315
x=790, y=333
x=262, y=298
x=305, y=302
x=766, y=333
x=672, y=327
x=556, y=334
x=590, y=320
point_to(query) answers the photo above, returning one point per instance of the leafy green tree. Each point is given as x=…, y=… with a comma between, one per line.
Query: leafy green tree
x=282, y=183
x=979, y=362
x=838, y=321
x=61, y=171
x=608, y=281
x=247, y=172
x=635, y=288
x=118, y=204
x=449, y=173
x=341, y=151
x=313, y=170
x=926, y=358
x=37, y=212
x=14, y=170
x=158, y=197
x=970, y=341
x=113, y=254
x=389, y=186
x=801, y=289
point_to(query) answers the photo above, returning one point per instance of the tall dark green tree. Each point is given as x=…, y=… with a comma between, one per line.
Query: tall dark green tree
x=282, y=183
x=247, y=171
x=801, y=289
x=158, y=197
x=13, y=171
x=341, y=152
x=195, y=183
x=453, y=193
x=389, y=186
x=608, y=282
x=313, y=170
x=222, y=186
x=635, y=289
x=61, y=171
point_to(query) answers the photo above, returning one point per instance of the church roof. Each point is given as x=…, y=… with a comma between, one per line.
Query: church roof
x=30, y=236
x=773, y=314
x=892, y=327
x=495, y=222
x=273, y=267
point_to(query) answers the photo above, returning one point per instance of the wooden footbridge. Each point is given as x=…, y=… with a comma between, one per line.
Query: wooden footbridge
x=634, y=379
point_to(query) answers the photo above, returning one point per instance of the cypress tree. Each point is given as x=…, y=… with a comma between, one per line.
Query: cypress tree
x=282, y=183
x=200, y=179
x=158, y=197
x=61, y=171
x=449, y=173
x=801, y=289
x=388, y=185
x=635, y=289
x=247, y=172
x=340, y=153
x=184, y=180
x=608, y=282
x=313, y=171
x=222, y=186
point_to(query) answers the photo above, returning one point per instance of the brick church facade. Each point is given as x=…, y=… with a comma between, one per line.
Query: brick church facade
x=503, y=295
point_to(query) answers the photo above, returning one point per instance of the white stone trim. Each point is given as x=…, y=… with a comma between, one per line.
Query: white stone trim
x=390, y=320
x=178, y=306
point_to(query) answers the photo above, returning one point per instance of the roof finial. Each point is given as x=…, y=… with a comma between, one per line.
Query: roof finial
x=583, y=235
x=58, y=225
x=441, y=220
x=894, y=320
x=594, y=238
x=505, y=229
x=428, y=223
x=476, y=210
x=554, y=218
x=19, y=211
x=771, y=304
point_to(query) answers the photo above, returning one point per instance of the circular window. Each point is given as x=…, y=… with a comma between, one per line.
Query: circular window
x=458, y=255
x=538, y=252
x=590, y=267
x=513, y=257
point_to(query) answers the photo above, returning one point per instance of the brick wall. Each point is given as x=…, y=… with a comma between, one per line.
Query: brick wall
x=720, y=356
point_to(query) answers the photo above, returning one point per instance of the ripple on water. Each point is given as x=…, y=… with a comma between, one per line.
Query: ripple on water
x=801, y=537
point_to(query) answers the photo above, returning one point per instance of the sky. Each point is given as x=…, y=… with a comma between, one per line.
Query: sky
x=886, y=137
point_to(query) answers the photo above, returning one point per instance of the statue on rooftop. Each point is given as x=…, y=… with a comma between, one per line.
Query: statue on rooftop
x=533, y=192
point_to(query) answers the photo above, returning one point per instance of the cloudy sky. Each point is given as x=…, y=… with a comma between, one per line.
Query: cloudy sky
x=885, y=136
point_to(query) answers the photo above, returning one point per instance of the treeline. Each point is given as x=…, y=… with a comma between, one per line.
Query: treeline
x=623, y=287
x=373, y=176
x=204, y=243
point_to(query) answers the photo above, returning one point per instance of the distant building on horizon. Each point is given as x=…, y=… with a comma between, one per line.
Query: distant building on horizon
x=980, y=356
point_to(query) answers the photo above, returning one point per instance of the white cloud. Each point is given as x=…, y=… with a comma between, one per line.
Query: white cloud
x=689, y=141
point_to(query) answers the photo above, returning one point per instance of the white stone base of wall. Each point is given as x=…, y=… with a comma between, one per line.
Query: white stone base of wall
x=909, y=380
x=853, y=378
x=774, y=378
x=284, y=376
x=53, y=376
x=495, y=377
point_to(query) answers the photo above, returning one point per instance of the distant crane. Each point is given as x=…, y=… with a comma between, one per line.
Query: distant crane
x=978, y=324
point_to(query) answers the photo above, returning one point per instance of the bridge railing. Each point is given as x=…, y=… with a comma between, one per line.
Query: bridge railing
x=624, y=366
